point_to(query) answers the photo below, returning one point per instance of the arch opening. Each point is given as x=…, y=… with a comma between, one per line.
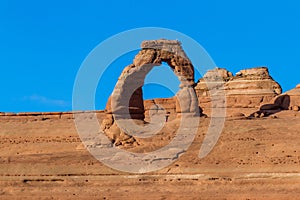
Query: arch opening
x=157, y=87
x=126, y=101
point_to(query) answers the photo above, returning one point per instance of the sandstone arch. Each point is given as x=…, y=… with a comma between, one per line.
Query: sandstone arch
x=126, y=100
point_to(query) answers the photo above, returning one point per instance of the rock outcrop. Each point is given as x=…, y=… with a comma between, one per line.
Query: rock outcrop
x=246, y=92
x=249, y=88
x=294, y=97
x=289, y=100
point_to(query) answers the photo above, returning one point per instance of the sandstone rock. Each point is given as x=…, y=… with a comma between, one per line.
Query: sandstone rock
x=169, y=51
x=255, y=81
x=295, y=108
x=293, y=96
x=274, y=116
x=113, y=132
x=126, y=101
x=256, y=115
x=283, y=101
x=289, y=99
x=259, y=114
x=217, y=74
x=153, y=52
x=107, y=122
x=212, y=79
x=186, y=101
x=249, y=88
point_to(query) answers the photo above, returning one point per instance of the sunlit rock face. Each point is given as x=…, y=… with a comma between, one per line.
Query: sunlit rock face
x=249, y=88
x=126, y=101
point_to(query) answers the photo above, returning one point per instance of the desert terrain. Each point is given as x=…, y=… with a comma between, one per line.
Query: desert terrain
x=42, y=158
x=257, y=156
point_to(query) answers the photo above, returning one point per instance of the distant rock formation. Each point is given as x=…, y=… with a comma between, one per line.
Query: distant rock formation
x=249, y=88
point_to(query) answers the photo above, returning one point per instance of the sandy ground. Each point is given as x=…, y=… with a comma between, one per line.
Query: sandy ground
x=42, y=158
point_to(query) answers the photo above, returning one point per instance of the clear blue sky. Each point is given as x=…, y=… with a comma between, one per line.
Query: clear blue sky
x=43, y=43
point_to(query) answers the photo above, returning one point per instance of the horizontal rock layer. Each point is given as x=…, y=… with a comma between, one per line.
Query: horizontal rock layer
x=249, y=88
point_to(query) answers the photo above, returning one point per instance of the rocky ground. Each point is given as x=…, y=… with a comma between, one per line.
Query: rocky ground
x=41, y=157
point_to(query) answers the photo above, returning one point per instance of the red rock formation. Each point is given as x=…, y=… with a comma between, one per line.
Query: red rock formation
x=294, y=96
x=126, y=101
x=249, y=88
x=289, y=100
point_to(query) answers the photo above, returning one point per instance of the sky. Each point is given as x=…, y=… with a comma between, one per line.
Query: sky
x=43, y=43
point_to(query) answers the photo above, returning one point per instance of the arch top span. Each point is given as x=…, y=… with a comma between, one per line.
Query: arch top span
x=170, y=51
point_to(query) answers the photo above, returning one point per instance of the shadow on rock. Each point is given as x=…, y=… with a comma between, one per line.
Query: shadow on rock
x=282, y=102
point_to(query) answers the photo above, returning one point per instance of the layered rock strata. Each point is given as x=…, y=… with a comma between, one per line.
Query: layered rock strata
x=249, y=88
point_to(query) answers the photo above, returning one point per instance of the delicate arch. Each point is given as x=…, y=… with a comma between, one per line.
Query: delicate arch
x=126, y=101
x=153, y=53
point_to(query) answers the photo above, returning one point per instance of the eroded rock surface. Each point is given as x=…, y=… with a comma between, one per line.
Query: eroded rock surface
x=249, y=88
x=126, y=101
x=289, y=100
